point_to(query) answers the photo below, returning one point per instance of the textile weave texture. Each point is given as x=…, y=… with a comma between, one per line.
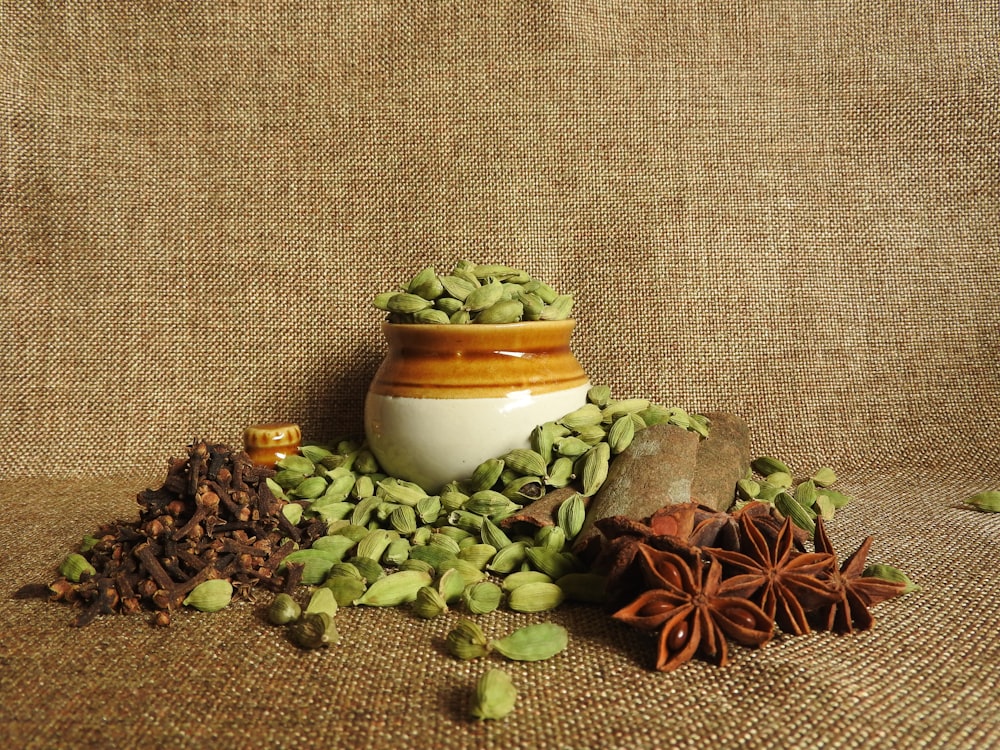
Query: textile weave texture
x=788, y=211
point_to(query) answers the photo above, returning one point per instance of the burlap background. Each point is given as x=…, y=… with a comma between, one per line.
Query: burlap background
x=787, y=210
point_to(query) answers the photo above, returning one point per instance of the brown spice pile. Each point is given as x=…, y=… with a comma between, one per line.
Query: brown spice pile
x=213, y=517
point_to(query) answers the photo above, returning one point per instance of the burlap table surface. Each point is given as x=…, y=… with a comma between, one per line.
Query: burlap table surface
x=786, y=211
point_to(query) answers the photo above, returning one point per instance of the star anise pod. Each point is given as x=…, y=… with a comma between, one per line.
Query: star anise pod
x=854, y=593
x=683, y=526
x=683, y=601
x=786, y=583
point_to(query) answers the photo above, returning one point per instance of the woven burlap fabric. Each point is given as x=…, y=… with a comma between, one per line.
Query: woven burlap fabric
x=786, y=211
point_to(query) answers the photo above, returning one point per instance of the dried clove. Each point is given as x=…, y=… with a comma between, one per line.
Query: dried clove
x=214, y=517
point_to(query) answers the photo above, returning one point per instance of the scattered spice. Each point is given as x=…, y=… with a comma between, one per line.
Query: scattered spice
x=785, y=583
x=854, y=591
x=696, y=596
x=690, y=607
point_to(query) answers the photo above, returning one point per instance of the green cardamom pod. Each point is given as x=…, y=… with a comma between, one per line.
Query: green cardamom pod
x=469, y=572
x=450, y=584
x=374, y=544
x=448, y=305
x=747, y=489
x=543, y=437
x=446, y=541
x=524, y=488
x=493, y=535
x=824, y=477
x=365, y=462
x=485, y=475
x=522, y=577
x=561, y=472
x=503, y=311
x=824, y=507
x=458, y=287
x=432, y=316
x=551, y=537
x=535, y=642
x=400, y=491
x=595, y=465
x=486, y=503
x=525, y=461
x=381, y=300
x=466, y=640
x=283, y=610
x=314, y=631
x=394, y=589
x=584, y=416
x=592, y=434
x=482, y=597
x=210, y=596
x=787, y=506
x=406, y=303
x=988, y=501
x=616, y=409
x=75, y=567
x=403, y=520
x=805, y=493
x=532, y=304
x=535, y=597
x=296, y=463
x=346, y=589
x=411, y=563
x=322, y=600
x=571, y=447
x=571, y=514
x=428, y=509
x=432, y=554
x=429, y=603
x=599, y=395
x=621, y=433
x=478, y=554
x=426, y=284
x=780, y=479
x=370, y=569
x=364, y=509
x=553, y=563
x=890, y=573
x=484, y=296
x=336, y=545
x=559, y=309
x=316, y=563
x=654, y=414
x=495, y=695
x=509, y=558
x=765, y=465
x=397, y=552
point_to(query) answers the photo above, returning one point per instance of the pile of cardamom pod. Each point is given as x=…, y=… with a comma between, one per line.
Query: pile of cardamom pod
x=389, y=542
x=474, y=293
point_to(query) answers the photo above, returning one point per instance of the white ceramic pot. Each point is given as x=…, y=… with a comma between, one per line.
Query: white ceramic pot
x=448, y=397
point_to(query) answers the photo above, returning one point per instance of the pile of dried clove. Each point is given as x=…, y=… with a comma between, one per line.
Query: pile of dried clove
x=213, y=517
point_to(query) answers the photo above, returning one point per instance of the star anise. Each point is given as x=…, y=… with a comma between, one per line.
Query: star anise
x=675, y=527
x=854, y=593
x=786, y=583
x=683, y=601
